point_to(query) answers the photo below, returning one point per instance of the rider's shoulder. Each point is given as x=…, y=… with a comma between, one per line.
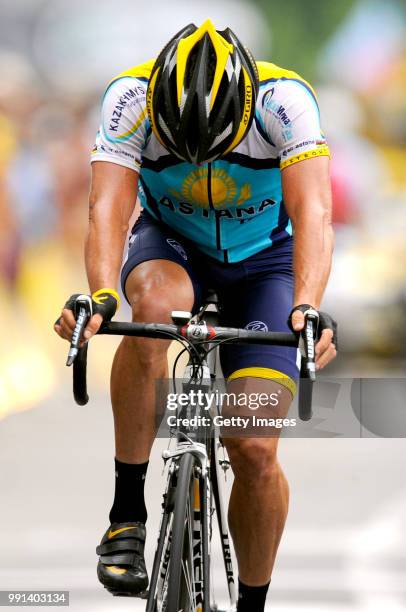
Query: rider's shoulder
x=283, y=78
x=141, y=72
x=132, y=82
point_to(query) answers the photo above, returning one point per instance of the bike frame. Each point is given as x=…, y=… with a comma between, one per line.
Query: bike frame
x=208, y=462
x=200, y=335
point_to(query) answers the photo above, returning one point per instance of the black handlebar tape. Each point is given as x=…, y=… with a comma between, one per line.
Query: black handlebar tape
x=79, y=377
x=305, y=394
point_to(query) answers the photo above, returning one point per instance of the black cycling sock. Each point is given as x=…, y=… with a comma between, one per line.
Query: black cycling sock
x=129, y=503
x=251, y=598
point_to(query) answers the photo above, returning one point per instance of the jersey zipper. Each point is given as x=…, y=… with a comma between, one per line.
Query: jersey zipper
x=211, y=206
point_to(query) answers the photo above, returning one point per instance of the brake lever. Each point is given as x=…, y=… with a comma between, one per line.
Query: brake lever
x=82, y=313
x=308, y=342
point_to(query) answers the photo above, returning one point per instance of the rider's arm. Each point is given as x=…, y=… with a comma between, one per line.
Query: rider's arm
x=116, y=160
x=111, y=204
x=307, y=196
x=292, y=121
x=112, y=200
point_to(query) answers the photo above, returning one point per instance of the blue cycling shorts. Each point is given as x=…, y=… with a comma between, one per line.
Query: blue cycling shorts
x=256, y=293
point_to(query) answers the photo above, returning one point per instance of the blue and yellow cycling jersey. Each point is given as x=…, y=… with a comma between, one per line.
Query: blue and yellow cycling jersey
x=230, y=208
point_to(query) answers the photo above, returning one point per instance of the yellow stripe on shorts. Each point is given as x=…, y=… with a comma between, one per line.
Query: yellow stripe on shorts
x=256, y=372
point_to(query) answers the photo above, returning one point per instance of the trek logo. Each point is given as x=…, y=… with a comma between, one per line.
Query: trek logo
x=227, y=558
x=197, y=557
x=165, y=562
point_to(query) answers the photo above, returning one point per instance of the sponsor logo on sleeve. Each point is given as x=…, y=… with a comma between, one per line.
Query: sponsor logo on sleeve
x=276, y=109
x=132, y=95
x=105, y=148
x=300, y=145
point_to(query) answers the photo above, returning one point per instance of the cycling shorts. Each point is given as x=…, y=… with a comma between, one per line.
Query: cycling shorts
x=256, y=293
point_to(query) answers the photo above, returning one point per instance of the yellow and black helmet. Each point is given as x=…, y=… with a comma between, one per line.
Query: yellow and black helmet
x=202, y=93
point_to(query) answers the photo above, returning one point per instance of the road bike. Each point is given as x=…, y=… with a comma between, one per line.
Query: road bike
x=181, y=573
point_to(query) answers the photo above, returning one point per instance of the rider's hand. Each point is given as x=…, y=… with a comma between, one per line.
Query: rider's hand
x=326, y=347
x=104, y=306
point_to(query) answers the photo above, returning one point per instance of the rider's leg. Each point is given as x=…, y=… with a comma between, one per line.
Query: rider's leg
x=259, y=501
x=260, y=494
x=154, y=288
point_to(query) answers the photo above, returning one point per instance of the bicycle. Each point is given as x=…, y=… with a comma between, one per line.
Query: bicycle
x=180, y=577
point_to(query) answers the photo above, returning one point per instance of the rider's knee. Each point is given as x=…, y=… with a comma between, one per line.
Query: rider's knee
x=153, y=307
x=253, y=458
x=153, y=303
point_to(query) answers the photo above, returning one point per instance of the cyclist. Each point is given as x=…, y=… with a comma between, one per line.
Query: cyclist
x=228, y=160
